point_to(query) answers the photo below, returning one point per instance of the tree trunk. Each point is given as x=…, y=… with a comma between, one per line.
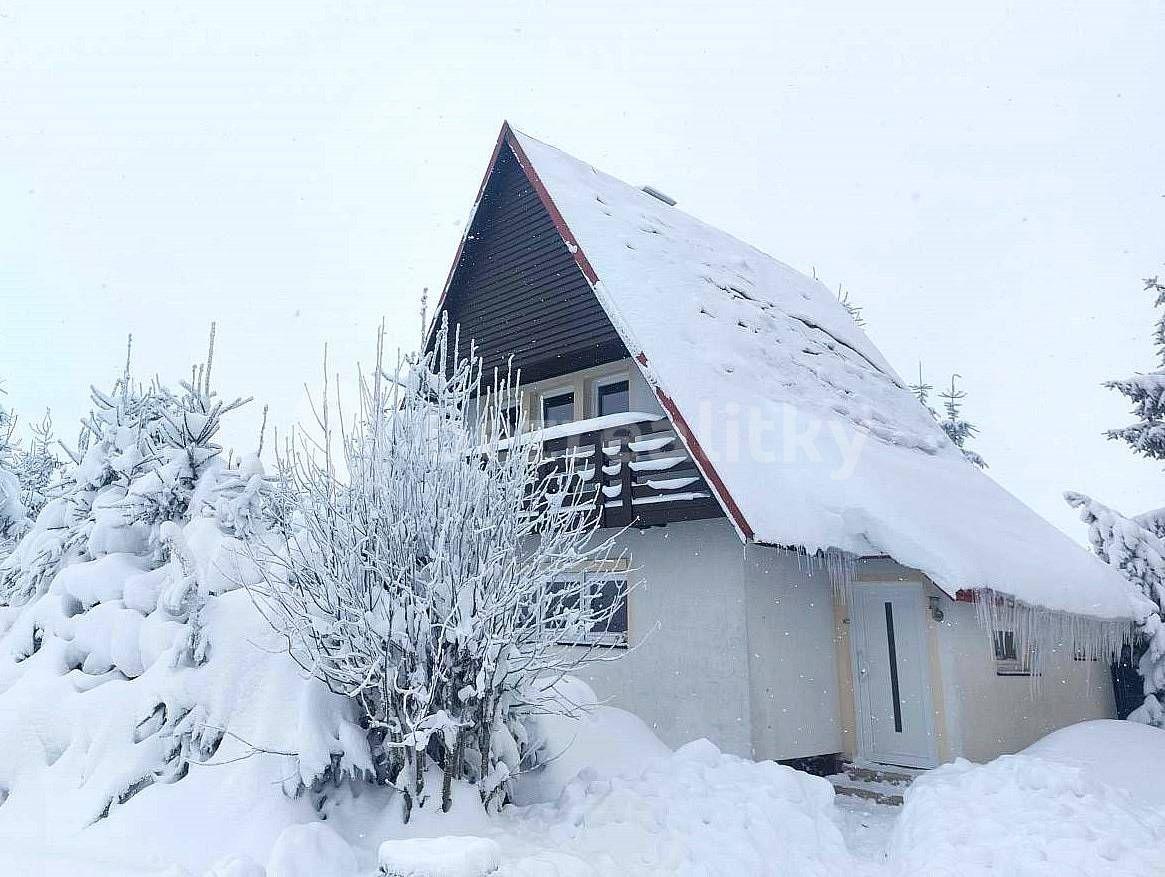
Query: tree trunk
x=452, y=768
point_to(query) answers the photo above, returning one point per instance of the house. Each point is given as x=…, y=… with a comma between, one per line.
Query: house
x=824, y=572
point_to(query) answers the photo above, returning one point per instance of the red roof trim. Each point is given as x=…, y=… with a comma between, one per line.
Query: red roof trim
x=551, y=208
x=701, y=458
x=506, y=137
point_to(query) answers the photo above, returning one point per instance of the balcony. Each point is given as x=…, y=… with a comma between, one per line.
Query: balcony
x=633, y=468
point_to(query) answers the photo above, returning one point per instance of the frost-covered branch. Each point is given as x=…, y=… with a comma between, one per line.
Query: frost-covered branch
x=433, y=569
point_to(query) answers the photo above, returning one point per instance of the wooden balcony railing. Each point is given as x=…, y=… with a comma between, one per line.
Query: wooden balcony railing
x=632, y=468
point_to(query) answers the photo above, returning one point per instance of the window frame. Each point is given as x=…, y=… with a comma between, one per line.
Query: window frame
x=1014, y=665
x=618, y=639
x=564, y=390
x=605, y=381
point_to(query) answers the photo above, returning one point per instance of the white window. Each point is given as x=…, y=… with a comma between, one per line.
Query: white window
x=592, y=592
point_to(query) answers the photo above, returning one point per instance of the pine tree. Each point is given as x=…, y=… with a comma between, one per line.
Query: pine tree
x=1147, y=393
x=13, y=515
x=957, y=429
x=1134, y=545
x=852, y=309
x=1139, y=554
x=922, y=392
x=118, y=583
x=38, y=468
x=143, y=452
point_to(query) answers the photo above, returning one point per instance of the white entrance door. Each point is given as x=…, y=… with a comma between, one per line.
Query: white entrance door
x=891, y=675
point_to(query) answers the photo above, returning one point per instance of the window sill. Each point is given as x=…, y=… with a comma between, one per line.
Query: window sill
x=603, y=640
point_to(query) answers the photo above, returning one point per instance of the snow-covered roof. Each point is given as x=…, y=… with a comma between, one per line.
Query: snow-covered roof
x=803, y=429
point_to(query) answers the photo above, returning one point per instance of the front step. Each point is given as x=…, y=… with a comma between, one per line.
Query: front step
x=878, y=784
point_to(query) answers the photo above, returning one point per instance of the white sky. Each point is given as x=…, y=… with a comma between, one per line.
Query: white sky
x=985, y=177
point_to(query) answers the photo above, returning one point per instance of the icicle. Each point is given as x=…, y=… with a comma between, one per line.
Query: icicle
x=1039, y=631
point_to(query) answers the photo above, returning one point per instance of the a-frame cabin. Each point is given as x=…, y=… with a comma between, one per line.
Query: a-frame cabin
x=520, y=290
x=825, y=574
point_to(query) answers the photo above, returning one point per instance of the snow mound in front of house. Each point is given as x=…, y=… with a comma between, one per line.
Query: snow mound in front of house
x=1081, y=801
x=696, y=811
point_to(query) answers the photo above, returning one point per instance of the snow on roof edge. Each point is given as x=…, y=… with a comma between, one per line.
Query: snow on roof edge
x=1083, y=584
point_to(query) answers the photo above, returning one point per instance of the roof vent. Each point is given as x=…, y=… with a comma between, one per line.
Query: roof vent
x=659, y=196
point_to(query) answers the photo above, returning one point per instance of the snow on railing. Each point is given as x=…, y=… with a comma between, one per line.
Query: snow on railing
x=632, y=467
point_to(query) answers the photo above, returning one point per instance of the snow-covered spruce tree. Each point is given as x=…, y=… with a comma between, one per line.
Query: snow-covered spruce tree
x=433, y=576
x=13, y=514
x=1147, y=393
x=141, y=454
x=958, y=429
x=1139, y=554
x=129, y=648
x=1134, y=545
x=38, y=467
x=922, y=391
x=854, y=310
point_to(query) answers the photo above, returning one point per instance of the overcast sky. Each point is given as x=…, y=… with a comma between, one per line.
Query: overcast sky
x=985, y=177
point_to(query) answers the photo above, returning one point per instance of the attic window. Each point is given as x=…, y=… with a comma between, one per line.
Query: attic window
x=612, y=397
x=558, y=409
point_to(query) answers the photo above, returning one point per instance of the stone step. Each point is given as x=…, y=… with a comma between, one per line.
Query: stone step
x=882, y=785
x=899, y=776
x=868, y=794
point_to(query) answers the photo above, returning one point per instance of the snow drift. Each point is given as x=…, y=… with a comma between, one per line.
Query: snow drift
x=1077, y=802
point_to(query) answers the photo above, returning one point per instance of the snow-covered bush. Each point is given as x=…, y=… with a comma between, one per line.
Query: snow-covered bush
x=1139, y=554
x=129, y=647
x=430, y=579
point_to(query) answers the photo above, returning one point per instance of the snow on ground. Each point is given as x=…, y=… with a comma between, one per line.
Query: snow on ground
x=866, y=826
x=697, y=811
x=1084, y=800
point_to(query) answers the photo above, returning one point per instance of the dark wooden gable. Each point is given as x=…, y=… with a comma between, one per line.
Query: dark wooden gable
x=517, y=291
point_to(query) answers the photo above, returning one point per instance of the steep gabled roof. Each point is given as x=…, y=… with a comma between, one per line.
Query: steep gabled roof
x=804, y=431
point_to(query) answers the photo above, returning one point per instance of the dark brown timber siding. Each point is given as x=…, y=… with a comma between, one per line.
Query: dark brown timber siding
x=517, y=290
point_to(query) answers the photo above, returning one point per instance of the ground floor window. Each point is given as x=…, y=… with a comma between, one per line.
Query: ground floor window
x=591, y=592
x=1008, y=660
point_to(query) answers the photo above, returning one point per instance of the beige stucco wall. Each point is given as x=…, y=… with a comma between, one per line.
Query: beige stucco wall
x=992, y=714
x=747, y=647
x=729, y=643
x=979, y=714
x=792, y=657
x=686, y=674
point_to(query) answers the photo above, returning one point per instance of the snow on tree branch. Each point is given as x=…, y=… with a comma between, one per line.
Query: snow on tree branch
x=1139, y=554
x=433, y=571
x=1147, y=393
